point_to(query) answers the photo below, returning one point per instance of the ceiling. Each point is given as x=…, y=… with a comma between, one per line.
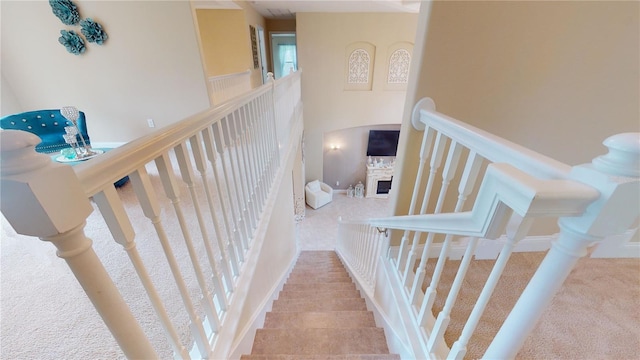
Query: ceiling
x=286, y=9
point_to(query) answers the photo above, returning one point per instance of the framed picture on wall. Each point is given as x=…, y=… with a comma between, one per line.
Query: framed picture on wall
x=254, y=46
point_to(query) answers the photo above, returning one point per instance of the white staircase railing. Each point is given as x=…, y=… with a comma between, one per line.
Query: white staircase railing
x=226, y=159
x=516, y=186
x=225, y=87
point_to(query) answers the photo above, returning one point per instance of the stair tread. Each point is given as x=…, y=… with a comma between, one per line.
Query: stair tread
x=318, y=319
x=319, y=315
x=320, y=286
x=324, y=305
x=318, y=279
x=320, y=341
x=321, y=357
x=318, y=294
x=319, y=273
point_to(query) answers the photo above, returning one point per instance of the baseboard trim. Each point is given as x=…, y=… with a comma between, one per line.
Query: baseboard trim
x=617, y=246
x=486, y=249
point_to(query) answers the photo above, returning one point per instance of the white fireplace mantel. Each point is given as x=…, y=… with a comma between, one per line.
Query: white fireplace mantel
x=374, y=175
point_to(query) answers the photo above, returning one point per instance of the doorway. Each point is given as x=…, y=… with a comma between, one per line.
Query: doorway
x=284, y=55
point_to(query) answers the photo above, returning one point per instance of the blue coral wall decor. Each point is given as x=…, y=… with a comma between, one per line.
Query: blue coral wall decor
x=66, y=11
x=72, y=41
x=93, y=31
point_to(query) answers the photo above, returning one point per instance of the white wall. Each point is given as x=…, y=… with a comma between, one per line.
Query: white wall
x=149, y=67
x=9, y=103
x=322, y=40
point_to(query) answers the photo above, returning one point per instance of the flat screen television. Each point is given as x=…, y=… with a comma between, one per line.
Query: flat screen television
x=383, y=142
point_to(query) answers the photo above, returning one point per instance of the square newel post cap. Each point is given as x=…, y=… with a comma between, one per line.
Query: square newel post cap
x=39, y=197
x=616, y=176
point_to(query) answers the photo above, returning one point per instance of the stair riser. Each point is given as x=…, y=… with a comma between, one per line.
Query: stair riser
x=313, y=294
x=322, y=357
x=320, y=341
x=319, y=320
x=320, y=287
x=311, y=305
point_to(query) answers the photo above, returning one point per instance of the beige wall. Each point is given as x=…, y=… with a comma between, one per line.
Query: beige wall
x=557, y=77
x=322, y=39
x=226, y=42
x=146, y=69
x=255, y=19
x=223, y=36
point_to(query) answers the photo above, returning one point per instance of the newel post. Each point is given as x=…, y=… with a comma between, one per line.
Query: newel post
x=616, y=176
x=45, y=199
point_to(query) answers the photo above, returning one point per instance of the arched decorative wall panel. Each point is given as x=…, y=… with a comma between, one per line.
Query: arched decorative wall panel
x=398, y=66
x=359, y=62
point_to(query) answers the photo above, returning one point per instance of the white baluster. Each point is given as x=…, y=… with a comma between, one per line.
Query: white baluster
x=257, y=153
x=44, y=199
x=211, y=146
x=235, y=207
x=186, y=170
x=151, y=209
x=616, y=176
x=248, y=166
x=425, y=151
x=115, y=216
x=243, y=172
x=444, y=317
x=467, y=184
x=459, y=348
x=451, y=165
x=244, y=220
x=436, y=161
x=199, y=156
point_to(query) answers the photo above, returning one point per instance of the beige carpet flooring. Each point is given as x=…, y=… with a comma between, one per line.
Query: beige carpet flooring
x=595, y=315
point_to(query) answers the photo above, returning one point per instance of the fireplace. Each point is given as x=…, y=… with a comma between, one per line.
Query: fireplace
x=379, y=181
x=384, y=186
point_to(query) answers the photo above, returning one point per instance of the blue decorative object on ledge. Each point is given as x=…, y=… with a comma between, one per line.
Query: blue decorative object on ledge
x=66, y=11
x=72, y=41
x=93, y=31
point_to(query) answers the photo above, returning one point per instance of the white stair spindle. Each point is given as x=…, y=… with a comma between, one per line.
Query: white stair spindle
x=450, y=167
x=435, y=162
x=182, y=154
x=255, y=153
x=246, y=170
x=165, y=170
x=248, y=164
x=151, y=209
x=244, y=220
x=235, y=214
x=459, y=348
x=616, y=176
x=228, y=248
x=199, y=156
x=115, y=216
x=425, y=151
x=444, y=317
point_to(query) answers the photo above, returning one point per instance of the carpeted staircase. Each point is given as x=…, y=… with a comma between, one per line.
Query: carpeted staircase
x=319, y=314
